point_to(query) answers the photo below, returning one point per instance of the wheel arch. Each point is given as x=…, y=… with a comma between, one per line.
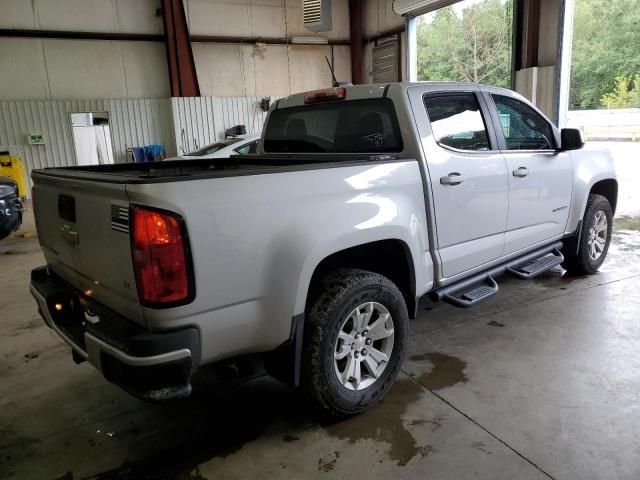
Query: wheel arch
x=608, y=188
x=390, y=257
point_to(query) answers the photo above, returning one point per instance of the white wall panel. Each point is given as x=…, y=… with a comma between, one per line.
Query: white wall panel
x=44, y=69
x=245, y=70
x=260, y=18
x=138, y=16
x=17, y=14
x=133, y=123
x=94, y=15
x=120, y=16
x=380, y=17
x=39, y=69
x=84, y=69
x=203, y=120
x=145, y=69
x=24, y=75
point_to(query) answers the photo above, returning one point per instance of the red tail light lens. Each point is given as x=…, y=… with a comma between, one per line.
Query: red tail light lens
x=326, y=95
x=160, y=257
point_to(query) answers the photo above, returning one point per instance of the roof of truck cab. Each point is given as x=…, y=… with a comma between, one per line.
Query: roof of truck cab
x=378, y=90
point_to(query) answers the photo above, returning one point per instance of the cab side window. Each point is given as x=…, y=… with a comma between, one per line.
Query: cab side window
x=456, y=121
x=523, y=127
x=247, y=149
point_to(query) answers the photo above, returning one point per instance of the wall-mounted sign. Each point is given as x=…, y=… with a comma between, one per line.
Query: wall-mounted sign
x=35, y=139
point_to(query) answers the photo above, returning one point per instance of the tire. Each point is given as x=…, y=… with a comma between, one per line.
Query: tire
x=334, y=312
x=588, y=261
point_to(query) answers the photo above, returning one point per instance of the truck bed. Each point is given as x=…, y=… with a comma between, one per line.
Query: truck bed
x=177, y=170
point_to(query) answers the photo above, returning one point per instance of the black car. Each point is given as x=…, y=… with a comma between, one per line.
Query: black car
x=10, y=207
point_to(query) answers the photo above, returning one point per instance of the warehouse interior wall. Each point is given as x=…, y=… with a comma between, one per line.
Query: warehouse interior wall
x=55, y=69
x=44, y=80
x=49, y=69
x=381, y=21
x=52, y=69
x=264, y=69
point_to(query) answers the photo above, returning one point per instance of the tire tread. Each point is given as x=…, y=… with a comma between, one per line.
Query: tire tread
x=336, y=285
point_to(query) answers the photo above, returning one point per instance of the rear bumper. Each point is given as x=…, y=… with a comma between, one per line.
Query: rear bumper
x=152, y=366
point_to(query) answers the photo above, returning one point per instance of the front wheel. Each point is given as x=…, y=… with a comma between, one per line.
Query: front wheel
x=595, y=237
x=355, y=341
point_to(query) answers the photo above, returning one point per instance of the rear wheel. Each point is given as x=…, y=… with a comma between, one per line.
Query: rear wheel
x=595, y=238
x=355, y=341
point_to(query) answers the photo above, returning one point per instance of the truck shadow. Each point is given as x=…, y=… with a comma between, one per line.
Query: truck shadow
x=215, y=422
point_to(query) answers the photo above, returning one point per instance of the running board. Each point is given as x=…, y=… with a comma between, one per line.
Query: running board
x=473, y=296
x=472, y=290
x=536, y=267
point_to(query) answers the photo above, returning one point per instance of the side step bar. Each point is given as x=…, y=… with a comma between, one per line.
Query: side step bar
x=470, y=291
x=536, y=267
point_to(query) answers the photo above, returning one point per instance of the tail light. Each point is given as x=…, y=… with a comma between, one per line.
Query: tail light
x=161, y=258
x=326, y=95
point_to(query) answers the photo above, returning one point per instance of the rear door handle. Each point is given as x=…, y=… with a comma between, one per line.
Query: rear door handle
x=453, y=178
x=72, y=238
x=521, y=172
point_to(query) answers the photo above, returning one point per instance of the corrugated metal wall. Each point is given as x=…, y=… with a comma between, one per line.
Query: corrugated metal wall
x=181, y=124
x=133, y=123
x=203, y=120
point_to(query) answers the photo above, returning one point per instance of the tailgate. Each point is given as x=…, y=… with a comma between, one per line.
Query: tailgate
x=83, y=229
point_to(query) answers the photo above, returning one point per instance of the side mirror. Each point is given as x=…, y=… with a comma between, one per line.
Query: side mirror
x=571, y=139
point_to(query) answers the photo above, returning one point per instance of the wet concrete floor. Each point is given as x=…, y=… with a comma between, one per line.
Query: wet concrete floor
x=541, y=381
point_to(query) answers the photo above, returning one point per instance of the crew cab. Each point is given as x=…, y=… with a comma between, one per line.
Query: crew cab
x=315, y=253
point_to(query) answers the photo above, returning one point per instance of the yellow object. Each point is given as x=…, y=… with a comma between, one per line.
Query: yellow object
x=11, y=166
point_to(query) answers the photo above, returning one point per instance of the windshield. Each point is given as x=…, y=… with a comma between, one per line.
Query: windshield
x=214, y=147
x=356, y=126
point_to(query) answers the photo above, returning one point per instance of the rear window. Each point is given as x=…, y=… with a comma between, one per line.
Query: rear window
x=356, y=126
x=456, y=121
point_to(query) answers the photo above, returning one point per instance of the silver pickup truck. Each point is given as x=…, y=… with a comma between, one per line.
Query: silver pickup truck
x=314, y=254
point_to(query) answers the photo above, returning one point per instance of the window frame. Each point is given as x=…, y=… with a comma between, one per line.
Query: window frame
x=484, y=112
x=502, y=141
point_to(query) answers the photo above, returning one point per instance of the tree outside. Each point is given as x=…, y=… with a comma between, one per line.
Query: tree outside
x=605, y=69
x=469, y=42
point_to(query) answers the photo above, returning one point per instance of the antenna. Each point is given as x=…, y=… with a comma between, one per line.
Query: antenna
x=333, y=75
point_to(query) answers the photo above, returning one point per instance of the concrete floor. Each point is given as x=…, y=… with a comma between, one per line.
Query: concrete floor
x=541, y=381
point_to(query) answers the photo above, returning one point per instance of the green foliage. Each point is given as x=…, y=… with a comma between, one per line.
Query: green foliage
x=476, y=47
x=473, y=47
x=606, y=42
x=624, y=95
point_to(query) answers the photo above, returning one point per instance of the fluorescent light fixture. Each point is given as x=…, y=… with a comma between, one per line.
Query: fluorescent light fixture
x=314, y=40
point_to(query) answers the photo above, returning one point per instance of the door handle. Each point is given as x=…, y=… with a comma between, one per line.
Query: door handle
x=72, y=238
x=453, y=178
x=521, y=172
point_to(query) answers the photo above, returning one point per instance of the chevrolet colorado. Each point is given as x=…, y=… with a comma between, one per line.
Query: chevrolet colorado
x=314, y=253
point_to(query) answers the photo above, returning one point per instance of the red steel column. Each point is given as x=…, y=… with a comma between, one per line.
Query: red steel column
x=183, y=77
x=355, y=27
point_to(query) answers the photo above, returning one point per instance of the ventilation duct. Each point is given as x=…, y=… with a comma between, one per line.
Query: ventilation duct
x=316, y=15
x=413, y=8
